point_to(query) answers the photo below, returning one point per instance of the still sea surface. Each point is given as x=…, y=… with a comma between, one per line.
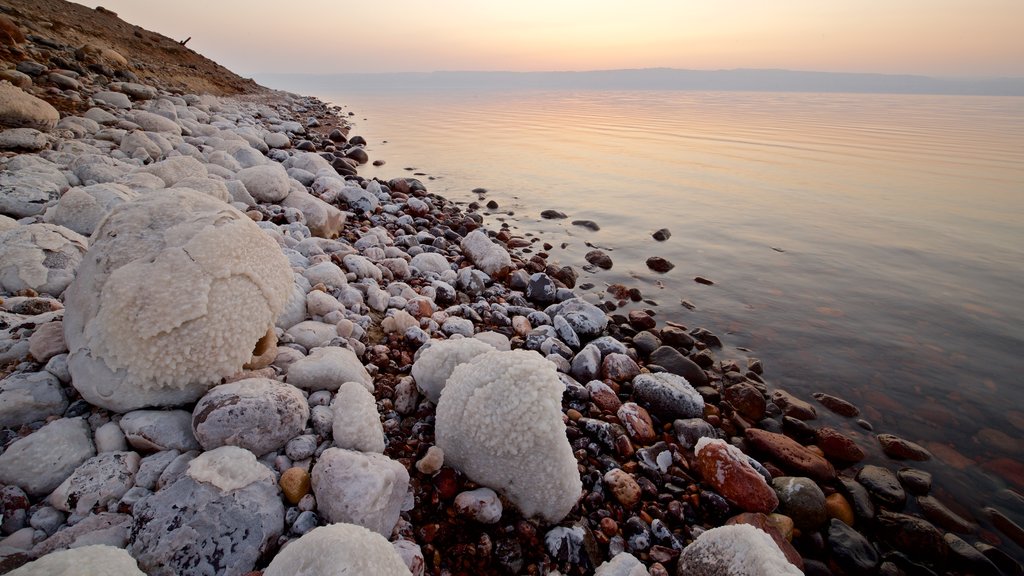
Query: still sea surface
x=870, y=246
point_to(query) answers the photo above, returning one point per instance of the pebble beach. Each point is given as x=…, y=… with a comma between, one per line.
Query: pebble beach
x=223, y=351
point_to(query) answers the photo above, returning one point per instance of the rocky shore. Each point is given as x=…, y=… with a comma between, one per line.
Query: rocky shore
x=223, y=351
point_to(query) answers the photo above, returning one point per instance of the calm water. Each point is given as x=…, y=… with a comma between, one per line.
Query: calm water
x=868, y=246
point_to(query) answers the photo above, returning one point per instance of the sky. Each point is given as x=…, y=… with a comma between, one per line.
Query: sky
x=948, y=38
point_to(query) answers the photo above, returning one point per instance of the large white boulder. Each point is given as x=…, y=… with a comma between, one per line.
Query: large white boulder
x=266, y=183
x=95, y=559
x=40, y=257
x=327, y=368
x=338, y=549
x=356, y=424
x=367, y=489
x=499, y=420
x=485, y=254
x=175, y=292
x=731, y=550
x=436, y=361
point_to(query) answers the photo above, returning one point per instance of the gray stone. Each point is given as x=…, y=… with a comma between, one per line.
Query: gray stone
x=113, y=99
x=312, y=334
x=98, y=482
x=19, y=109
x=358, y=488
x=328, y=368
x=26, y=193
x=802, y=500
x=28, y=397
x=689, y=430
x=668, y=396
x=41, y=257
x=157, y=430
x=103, y=528
x=39, y=462
x=266, y=183
x=81, y=208
x=672, y=360
x=152, y=466
x=258, y=414
x=25, y=139
x=47, y=341
x=136, y=90
x=585, y=319
x=151, y=122
x=586, y=365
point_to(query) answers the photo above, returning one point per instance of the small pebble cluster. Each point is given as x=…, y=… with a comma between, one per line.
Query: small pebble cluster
x=224, y=351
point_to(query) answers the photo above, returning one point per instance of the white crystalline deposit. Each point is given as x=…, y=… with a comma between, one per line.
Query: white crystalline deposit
x=97, y=560
x=499, y=420
x=736, y=550
x=328, y=368
x=436, y=361
x=362, y=488
x=338, y=550
x=356, y=424
x=173, y=295
x=485, y=254
x=228, y=468
x=623, y=564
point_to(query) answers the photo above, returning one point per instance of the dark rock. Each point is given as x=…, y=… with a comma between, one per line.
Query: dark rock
x=1007, y=565
x=792, y=406
x=1005, y=525
x=801, y=500
x=707, y=337
x=912, y=536
x=668, y=396
x=553, y=215
x=541, y=289
x=588, y=224
x=747, y=400
x=900, y=449
x=859, y=498
x=662, y=234
x=357, y=141
x=599, y=259
x=837, y=405
x=336, y=135
x=943, y=517
x=917, y=482
x=883, y=486
x=641, y=320
x=646, y=342
x=358, y=154
x=790, y=455
x=673, y=361
x=677, y=338
x=703, y=280
x=969, y=558
x=849, y=550
x=837, y=446
x=659, y=264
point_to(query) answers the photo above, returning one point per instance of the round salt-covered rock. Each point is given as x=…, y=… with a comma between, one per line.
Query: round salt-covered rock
x=623, y=564
x=266, y=183
x=19, y=109
x=367, y=489
x=435, y=363
x=736, y=549
x=24, y=193
x=585, y=319
x=81, y=208
x=327, y=368
x=485, y=254
x=323, y=219
x=356, y=423
x=482, y=505
x=499, y=421
x=668, y=396
x=30, y=396
x=219, y=517
x=338, y=549
x=40, y=257
x=258, y=414
x=430, y=262
x=727, y=470
x=176, y=291
x=98, y=482
x=95, y=559
x=39, y=462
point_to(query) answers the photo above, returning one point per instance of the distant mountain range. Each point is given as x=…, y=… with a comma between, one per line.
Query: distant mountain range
x=654, y=79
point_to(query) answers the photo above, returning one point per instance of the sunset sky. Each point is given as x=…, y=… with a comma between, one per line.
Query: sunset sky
x=932, y=37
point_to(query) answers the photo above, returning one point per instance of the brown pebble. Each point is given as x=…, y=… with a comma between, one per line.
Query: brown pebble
x=837, y=506
x=623, y=487
x=295, y=484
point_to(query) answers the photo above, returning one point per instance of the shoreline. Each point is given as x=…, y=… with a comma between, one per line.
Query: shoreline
x=609, y=425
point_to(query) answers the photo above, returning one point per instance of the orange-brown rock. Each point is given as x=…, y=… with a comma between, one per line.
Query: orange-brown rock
x=295, y=484
x=747, y=400
x=790, y=455
x=792, y=406
x=623, y=486
x=837, y=446
x=761, y=522
x=726, y=469
x=638, y=423
x=837, y=405
x=837, y=506
x=900, y=449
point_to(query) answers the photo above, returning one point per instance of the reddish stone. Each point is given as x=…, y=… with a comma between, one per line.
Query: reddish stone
x=837, y=405
x=747, y=400
x=446, y=483
x=900, y=449
x=641, y=320
x=1009, y=469
x=603, y=396
x=790, y=455
x=727, y=470
x=761, y=522
x=623, y=487
x=638, y=423
x=619, y=367
x=792, y=406
x=837, y=506
x=837, y=446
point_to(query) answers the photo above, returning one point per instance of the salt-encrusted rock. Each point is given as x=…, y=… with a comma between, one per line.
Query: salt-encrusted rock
x=668, y=396
x=430, y=262
x=323, y=220
x=176, y=291
x=19, y=109
x=319, y=303
x=172, y=170
x=356, y=423
x=40, y=257
x=104, y=528
x=95, y=484
x=110, y=438
x=81, y=208
x=266, y=183
x=258, y=414
x=154, y=122
x=39, y=462
x=734, y=550
x=312, y=334
x=623, y=564
x=362, y=267
x=326, y=273
x=95, y=559
x=25, y=193
x=587, y=320
x=411, y=553
x=24, y=139
x=367, y=489
x=690, y=430
x=219, y=517
x=327, y=368
x=113, y=99
x=435, y=363
x=338, y=549
x=155, y=430
x=30, y=396
x=499, y=420
x=727, y=470
x=482, y=505
x=485, y=254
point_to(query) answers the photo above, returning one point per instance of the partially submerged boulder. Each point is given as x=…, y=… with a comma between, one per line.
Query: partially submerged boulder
x=175, y=293
x=338, y=549
x=499, y=421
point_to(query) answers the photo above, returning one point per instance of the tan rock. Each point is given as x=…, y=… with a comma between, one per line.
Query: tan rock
x=837, y=506
x=47, y=341
x=295, y=484
x=623, y=487
x=19, y=109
